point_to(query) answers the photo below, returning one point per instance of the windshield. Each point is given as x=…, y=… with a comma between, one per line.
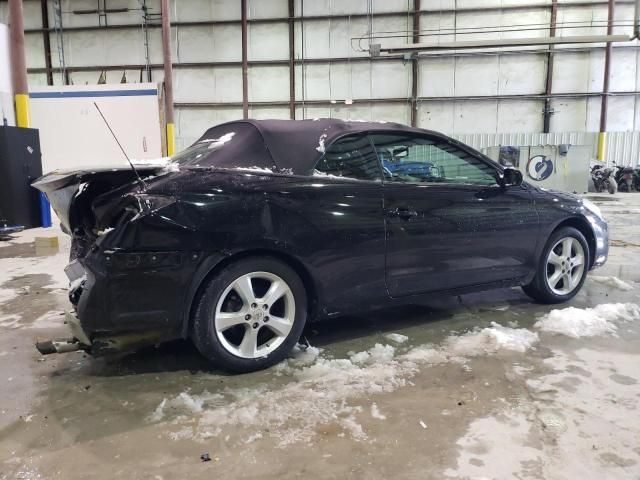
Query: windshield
x=234, y=145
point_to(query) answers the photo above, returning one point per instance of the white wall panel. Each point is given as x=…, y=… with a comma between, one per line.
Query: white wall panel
x=593, y=114
x=208, y=84
x=200, y=10
x=390, y=80
x=313, y=111
x=262, y=113
x=436, y=77
x=218, y=43
x=268, y=83
x=267, y=9
x=475, y=117
x=34, y=50
x=623, y=70
x=436, y=116
x=97, y=48
x=520, y=116
x=476, y=75
x=570, y=114
x=193, y=122
x=268, y=41
x=620, y=114
x=578, y=72
x=522, y=74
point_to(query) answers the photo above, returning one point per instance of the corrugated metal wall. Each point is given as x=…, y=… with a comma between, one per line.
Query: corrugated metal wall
x=622, y=147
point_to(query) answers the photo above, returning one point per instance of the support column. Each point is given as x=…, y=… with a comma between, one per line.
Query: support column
x=602, y=137
x=168, y=78
x=292, y=64
x=414, y=64
x=549, y=89
x=18, y=64
x=245, y=67
x=44, y=7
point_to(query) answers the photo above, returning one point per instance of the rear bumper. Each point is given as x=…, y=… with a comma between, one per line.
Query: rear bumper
x=138, y=295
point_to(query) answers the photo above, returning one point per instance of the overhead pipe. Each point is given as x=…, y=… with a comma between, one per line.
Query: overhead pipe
x=604, y=106
x=18, y=64
x=514, y=42
x=168, y=79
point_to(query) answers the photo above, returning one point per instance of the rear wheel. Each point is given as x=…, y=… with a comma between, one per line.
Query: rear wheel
x=562, y=268
x=250, y=315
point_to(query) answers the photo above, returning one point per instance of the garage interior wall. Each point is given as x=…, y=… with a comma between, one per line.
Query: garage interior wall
x=464, y=94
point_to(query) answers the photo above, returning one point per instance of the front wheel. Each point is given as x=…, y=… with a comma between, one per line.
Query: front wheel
x=250, y=315
x=612, y=186
x=562, y=268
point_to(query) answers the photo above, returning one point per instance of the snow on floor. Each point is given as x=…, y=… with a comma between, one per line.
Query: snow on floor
x=491, y=340
x=574, y=425
x=397, y=337
x=320, y=391
x=588, y=322
x=613, y=282
x=16, y=267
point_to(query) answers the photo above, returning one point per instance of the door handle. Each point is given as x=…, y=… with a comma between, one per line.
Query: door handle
x=403, y=212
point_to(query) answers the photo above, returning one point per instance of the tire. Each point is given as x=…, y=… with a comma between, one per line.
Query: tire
x=250, y=336
x=612, y=186
x=566, y=286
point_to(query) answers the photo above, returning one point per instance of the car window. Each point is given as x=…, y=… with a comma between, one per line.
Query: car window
x=418, y=159
x=350, y=157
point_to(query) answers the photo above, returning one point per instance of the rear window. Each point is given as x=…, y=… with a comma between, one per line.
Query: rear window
x=235, y=145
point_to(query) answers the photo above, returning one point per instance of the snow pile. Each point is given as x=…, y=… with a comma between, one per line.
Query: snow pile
x=491, y=340
x=321, y=141
x=319, y=394
x=397, y=337
x=320, y=391
x=588, y=322
x=253, y=169
x=377, y=354
x=218, y=142
x=375, y=412
x=613, y=282
x=149, y=162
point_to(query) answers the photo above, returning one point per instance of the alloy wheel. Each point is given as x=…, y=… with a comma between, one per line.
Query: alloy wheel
x=565, y=266
x=254, y=315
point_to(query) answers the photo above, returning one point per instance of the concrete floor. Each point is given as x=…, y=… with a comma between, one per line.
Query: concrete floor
x=461, y=397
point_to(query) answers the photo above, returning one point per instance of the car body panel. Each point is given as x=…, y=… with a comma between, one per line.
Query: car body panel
x=451, y=243
x=145, y=249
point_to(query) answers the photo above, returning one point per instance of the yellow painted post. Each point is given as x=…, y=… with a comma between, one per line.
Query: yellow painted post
x=602, y=146
x=23, y=116
x=171, y=139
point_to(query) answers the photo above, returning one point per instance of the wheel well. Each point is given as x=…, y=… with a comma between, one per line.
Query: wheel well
x=295, y=264
x=583, y=227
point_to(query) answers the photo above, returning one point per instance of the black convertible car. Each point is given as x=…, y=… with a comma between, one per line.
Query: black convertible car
x=261, y=226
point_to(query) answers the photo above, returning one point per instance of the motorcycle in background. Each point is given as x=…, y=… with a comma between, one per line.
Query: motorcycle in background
x=602, y=178
x=625, y=178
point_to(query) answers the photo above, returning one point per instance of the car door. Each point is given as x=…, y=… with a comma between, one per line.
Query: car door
x=448, y=223
x=334, y=221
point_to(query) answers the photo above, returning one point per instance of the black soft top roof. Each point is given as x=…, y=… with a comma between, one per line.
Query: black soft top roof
x=287, y=145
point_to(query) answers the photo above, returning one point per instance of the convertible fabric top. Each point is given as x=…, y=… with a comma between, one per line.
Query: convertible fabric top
x=288, y=145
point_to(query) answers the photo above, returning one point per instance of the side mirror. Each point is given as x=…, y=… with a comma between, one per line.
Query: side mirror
x=511, y=177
